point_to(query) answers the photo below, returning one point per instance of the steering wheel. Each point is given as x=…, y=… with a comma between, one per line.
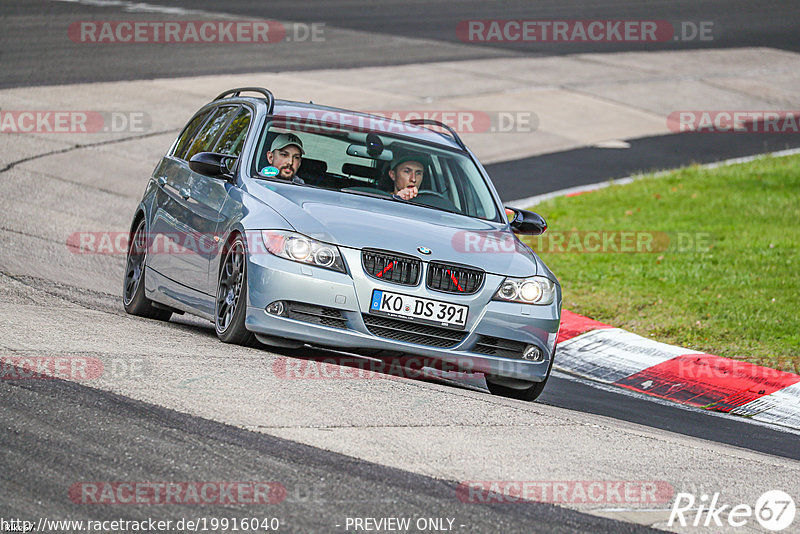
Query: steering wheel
x=431, y=194
x=434, y=200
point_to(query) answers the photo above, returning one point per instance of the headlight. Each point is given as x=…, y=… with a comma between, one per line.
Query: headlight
x=299, y=248
x=533, y=290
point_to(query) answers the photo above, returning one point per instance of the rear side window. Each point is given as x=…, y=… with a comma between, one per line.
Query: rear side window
x=205, y=139
x=232, y=140
x=188, y=134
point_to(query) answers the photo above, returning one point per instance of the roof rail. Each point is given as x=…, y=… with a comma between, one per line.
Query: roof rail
x=432, y=122
x=236, y=92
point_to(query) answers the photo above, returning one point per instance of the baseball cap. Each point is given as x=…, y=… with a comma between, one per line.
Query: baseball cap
x=284, y=140
x=420, y=158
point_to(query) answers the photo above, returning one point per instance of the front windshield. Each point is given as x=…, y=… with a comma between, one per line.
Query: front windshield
x=374, y=164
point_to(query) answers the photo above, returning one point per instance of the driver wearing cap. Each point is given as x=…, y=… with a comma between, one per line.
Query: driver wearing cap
x=286, y=154
x=406, y=173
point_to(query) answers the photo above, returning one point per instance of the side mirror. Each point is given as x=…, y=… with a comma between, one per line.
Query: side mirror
x=211, y=164
x=526, y=222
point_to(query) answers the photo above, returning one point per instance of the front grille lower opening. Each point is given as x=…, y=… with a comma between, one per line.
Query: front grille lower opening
x=420, y=334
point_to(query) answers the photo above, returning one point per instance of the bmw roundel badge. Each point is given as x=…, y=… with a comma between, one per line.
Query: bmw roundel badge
x=424, y=250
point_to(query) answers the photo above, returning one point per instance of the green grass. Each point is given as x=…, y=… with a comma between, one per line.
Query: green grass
x=737, y=294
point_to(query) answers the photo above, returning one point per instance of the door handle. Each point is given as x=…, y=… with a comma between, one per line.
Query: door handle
x=185, y=193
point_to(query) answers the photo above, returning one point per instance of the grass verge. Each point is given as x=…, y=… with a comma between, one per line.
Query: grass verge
x=722, y=270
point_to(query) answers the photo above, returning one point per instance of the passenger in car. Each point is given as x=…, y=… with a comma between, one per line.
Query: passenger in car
x=406, y=173
x=285, y=156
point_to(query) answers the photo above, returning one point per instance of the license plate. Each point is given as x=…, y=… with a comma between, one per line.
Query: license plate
x=421, y=310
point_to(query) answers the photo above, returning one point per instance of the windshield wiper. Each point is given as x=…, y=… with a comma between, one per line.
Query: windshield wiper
x=293, y=181
x=365, y=194
x=434, y=207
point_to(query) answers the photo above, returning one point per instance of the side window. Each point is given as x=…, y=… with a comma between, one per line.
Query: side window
x=232, y=140
x=204, y=141
x=188, y=134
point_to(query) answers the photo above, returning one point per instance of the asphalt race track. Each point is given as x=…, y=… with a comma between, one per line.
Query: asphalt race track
x=82, y=431
x=193, y=409
x=34, y=52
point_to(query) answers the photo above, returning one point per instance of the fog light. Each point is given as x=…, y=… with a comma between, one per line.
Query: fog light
x=533, y=353
x=277, y=308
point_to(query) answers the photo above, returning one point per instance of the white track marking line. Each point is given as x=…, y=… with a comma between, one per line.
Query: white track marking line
x=527, y=202
x=143, y=7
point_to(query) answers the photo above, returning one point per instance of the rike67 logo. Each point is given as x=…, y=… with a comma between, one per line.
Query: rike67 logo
x=774, y=511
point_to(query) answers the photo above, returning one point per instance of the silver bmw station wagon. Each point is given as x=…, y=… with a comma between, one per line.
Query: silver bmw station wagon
x=288, y=223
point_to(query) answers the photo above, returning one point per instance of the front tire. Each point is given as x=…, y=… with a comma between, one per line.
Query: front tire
x=528, y=394
x=133, y=298
x=231, y=302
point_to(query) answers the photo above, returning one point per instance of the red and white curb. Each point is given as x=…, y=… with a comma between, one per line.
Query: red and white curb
x=599, y=352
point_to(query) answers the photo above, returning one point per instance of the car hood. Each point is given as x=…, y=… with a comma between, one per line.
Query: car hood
x=357, y=221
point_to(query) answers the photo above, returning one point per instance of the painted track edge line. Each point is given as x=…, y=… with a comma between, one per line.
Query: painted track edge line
x=528, y=202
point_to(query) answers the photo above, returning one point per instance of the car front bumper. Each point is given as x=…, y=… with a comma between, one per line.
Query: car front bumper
x=271, y=279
